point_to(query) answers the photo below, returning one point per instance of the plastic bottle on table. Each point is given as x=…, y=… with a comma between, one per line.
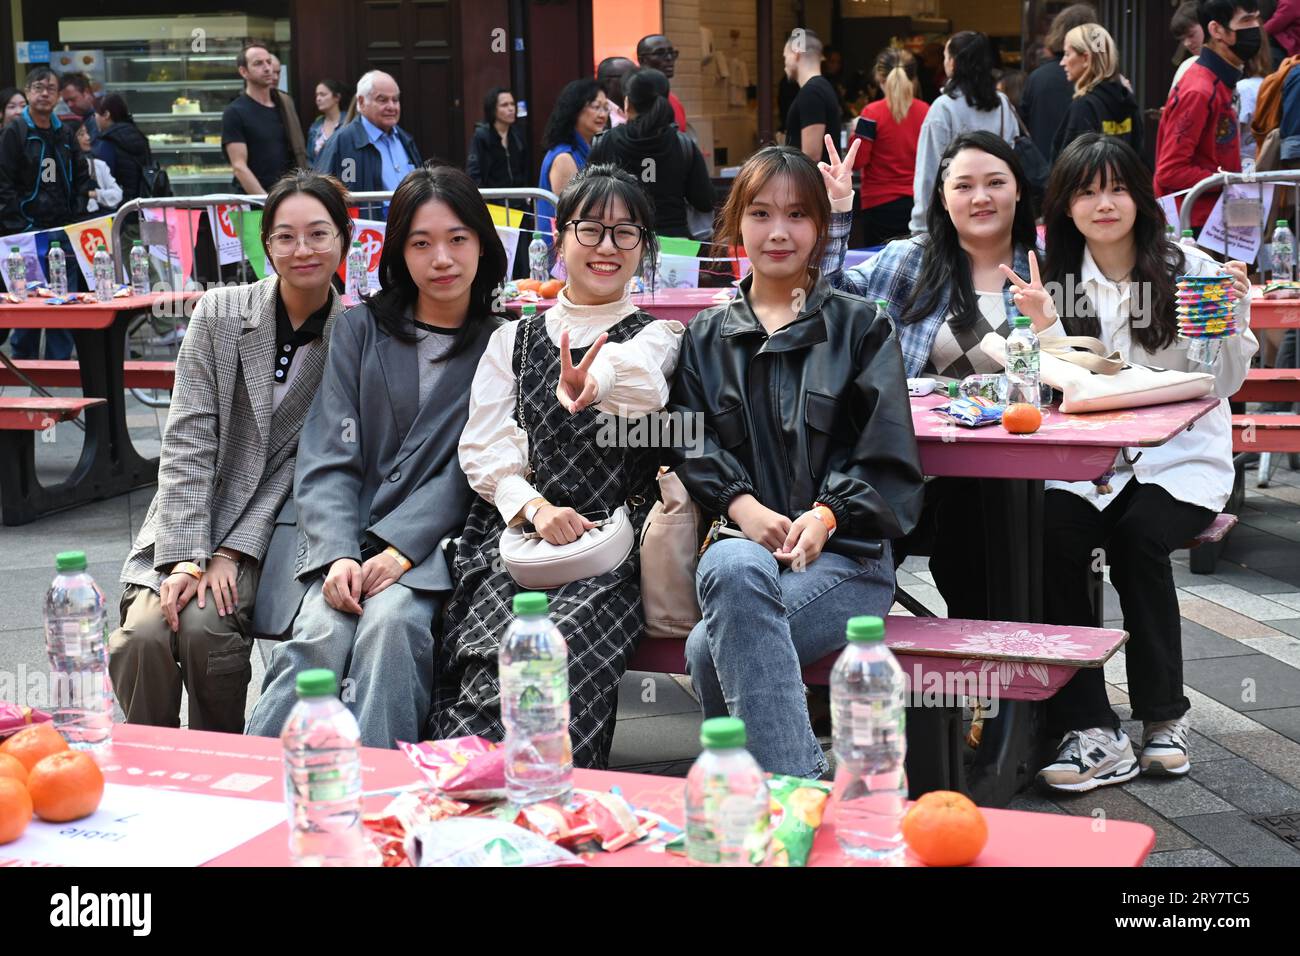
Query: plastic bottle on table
x=58, y=267
x=533, y=670
x=139, y=269
x=322, y=778
x=1283, y=252
x=1022, y=364
x=76, y=621
x=868, y=696
x=358, y=282
x=727, y=800
x=1189, y=238
x=538, y=259
x=105, y=274
x=16, y=273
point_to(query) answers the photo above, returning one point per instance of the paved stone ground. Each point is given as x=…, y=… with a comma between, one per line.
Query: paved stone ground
x=1241, y=638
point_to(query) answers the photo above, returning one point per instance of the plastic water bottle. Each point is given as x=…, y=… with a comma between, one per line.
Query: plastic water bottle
x=1189, y=238
x=76, y=622
x=868, y=696
x=16, y=272
x=1022, y=363
x=58, y=267
x=139, y=269
x=322, y=778
x=727, y=800
x=105, y=274
x=538, y=259
x=1283, y=252
x=1170, y=233
x=358, y=281
x=533, y=668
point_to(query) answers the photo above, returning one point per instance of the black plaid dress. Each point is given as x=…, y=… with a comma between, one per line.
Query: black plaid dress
x=601, y=617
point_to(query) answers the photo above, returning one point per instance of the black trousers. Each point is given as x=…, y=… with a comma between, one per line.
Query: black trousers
x=1136, y=532
x=876, y=225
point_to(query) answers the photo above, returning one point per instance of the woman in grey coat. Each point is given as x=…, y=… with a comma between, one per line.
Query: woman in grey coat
x=246, y=374
x=379, y=483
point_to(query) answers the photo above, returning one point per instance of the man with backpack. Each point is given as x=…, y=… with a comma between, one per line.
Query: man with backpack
x=43, y=185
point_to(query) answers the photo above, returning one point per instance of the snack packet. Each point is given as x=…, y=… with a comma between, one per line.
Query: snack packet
x=797, y=807
x=467, y=768
x=613, y=821
x=973, y=412
x=482, y=841
x=405, y=814
x=14, y=717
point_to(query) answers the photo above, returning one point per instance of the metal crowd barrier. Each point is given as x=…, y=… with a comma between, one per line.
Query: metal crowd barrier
x=1277, y=177
x=157, y=234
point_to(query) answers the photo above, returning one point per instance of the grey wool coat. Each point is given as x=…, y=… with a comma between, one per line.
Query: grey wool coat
x=227, y=459
x=374, y=467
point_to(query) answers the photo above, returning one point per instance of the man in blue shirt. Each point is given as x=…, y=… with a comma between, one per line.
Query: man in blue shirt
x=372, y=153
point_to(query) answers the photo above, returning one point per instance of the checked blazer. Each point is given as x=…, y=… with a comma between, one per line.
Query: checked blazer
x=227, y=460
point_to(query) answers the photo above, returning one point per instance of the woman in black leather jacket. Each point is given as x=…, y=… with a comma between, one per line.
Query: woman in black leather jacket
x=809, y=454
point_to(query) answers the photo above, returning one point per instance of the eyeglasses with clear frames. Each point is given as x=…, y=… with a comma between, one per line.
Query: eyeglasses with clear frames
x=317, y=240
x=626, y=235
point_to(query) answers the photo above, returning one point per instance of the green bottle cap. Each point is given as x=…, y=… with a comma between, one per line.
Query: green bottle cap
x=865, y=629
x=356, y=243
x=954, y=389
x=531, y=604
x=136, y=244
x=1021, y=321
x=14, y=249
x=1282, y=224
x=56, y=245
x=538, y=235
x=70, y=560
x=721, y=733
x=1187, y=233
x=317, y=682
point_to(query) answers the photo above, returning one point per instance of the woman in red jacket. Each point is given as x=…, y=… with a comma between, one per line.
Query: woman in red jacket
x=889, y=129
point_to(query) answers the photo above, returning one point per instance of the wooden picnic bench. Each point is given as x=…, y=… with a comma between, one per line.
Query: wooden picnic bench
x=66, y=373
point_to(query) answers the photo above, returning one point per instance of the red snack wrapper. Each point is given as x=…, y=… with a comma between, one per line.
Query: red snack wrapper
x=469, y=768
x=615, y=821
x=14, y=717
x=405, y=814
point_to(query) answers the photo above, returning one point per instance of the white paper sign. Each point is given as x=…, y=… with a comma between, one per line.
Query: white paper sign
x=1170, y=206
x=138, y=826
x=26, y=243
x=229, y=248
x=1242, y=241
x=370, y=233
x=510, y=240
x=677, y=272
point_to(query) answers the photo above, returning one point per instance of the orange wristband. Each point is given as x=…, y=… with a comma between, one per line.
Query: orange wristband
x=826, y=516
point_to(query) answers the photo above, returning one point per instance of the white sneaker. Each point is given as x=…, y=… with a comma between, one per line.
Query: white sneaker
x=1087, y=759
x=1164, y=747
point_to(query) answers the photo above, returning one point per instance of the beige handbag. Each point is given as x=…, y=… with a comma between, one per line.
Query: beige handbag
x=1094, y=380
x=535, y=563
x=670, y=542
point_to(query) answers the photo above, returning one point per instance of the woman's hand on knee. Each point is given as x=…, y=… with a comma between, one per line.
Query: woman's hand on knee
x=342, y=589
x=560, y=525
x=176, y=591
x=761, y=524
x=804, y=542
x=222, y=579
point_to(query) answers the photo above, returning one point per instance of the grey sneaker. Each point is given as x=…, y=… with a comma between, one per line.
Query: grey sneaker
x=1164, y=747
x=1087, y=759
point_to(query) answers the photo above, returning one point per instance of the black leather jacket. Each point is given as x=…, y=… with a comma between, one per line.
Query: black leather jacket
x=818, y=411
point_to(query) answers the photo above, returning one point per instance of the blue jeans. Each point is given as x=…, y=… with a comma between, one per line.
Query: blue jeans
x=762, y=623
x=384, y=661
x=27, y=344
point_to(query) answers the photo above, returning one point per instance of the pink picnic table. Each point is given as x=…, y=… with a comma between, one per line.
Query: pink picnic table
x=1273, y=313
x=250, y=768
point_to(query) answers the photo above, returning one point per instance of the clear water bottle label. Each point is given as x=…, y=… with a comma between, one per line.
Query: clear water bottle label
x=327, y=785
x=535, y=690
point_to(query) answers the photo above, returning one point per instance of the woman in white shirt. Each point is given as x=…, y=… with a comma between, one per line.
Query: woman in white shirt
x=1106, y=247
x=548, y=394
x=107, y=193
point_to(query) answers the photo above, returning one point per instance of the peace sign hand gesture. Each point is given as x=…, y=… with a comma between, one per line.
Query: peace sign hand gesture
x=1031, y=298
x=577, y=388
x=838, y=173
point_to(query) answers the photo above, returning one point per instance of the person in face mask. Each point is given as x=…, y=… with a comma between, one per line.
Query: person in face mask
x=1199, y=133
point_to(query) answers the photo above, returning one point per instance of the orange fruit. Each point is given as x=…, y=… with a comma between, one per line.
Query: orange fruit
x=528, y=285
x=550, y=288
x=66, y=786
x=945, y=828
x=32, y=743
x=15, y=809
x=1021, y=419
x=13, y=768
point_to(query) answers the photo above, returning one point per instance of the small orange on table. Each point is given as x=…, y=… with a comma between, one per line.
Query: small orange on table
x=66, y=786
x=15, y=809
x=33, y=743
x=1021, y=418
x=550, y=288
x=13, y=768
x=945, y=828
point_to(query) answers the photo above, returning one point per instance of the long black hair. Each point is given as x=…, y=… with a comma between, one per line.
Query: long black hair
x=972, y=70
x=1159, y=261
x=945, y=266
x=561, y=128
x=589, y=194
x=398, y=291
x=646, y=90
x=490, y=103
